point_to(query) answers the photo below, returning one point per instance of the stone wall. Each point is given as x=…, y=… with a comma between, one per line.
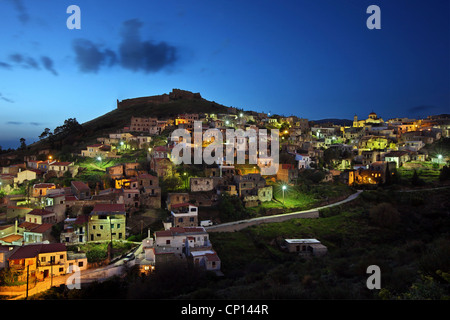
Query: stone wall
x=176, y=94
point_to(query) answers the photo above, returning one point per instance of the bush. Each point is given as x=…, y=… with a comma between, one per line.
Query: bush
x=384, y=215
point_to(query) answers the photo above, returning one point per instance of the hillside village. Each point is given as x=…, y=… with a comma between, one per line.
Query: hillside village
x=53, y=204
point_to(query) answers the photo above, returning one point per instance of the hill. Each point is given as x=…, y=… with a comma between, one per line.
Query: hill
x=163, y=107
x=339, y=122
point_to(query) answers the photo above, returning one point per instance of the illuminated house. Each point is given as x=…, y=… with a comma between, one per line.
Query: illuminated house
x=40, y=216
x=41, y=261
x=98, y=150
x=107, y=222
x=40, y=190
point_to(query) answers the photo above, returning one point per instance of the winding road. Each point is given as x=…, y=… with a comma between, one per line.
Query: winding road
x=311, y=213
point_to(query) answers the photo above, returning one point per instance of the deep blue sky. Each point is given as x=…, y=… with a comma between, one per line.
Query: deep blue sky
x=314, y=59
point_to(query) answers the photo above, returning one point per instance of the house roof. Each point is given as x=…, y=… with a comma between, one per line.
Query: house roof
x=109, y=208
x=33, y=250
x=41, y=228
x=395, y=154
x=62, y=164
x=44, y=185
x=146, y=176
x=10, y=238
x=173, y=231
x=40, y=212
x=80, y=185
x=71, y=198
x=179, y=205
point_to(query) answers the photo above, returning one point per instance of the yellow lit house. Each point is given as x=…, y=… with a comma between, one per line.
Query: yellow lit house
x=107, y=222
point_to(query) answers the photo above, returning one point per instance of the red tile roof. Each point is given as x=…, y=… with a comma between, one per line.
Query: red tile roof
x=184, y=204
x=40, y=212
x=33, y=250
x=11, y=238
x=80, y=185
x=44, y=185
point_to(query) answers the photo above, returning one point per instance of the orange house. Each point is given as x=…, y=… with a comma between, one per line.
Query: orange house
x=40, y=190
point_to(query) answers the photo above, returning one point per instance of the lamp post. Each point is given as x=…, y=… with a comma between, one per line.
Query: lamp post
x=283, y=188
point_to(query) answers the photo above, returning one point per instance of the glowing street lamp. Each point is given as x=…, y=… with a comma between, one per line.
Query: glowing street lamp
x=283, y=188
x=99, y=158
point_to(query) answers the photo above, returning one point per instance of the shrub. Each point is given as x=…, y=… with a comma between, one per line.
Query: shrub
x=384, y=215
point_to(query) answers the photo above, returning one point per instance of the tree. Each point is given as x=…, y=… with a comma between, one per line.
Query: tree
x=44, y=134
x=22, y=144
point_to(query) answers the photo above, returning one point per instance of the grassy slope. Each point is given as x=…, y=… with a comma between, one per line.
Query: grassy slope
x=419, y=244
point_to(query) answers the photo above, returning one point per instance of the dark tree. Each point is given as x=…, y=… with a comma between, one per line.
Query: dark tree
x=22, y=144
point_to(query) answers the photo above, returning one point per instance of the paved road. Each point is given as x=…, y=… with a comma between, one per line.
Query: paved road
x=311, y=213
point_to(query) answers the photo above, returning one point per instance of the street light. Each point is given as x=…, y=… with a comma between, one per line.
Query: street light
x=99, y=158
x=283, y=188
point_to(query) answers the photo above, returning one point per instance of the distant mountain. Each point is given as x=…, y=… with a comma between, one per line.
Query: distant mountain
x=339, y=122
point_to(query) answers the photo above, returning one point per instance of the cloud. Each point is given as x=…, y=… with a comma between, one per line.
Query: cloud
x=419, y=109
x=22, y=12
x=35, y=124
x=24, y=61
x=48, y=65
x=28, y=62
x=146, y=56
x=90, y=57
x=5, y=65
x=132, y=54
x=16, y=123
x=6, y=99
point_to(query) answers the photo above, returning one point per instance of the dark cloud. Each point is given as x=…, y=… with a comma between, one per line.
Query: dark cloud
x=132, y=54
x=48, y=65
x=420, y=109
x=5, y=65
x=22, y=12
x=6, y=99
x=147, y=56
x=28, y=62
x=90, y=57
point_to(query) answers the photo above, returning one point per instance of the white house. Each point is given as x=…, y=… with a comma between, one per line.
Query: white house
x=304, y=161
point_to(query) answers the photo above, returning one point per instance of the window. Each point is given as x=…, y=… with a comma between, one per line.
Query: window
x=61, y=256
x=80, y=264
x=167, y=241
x=43, y=259
x=61, y=269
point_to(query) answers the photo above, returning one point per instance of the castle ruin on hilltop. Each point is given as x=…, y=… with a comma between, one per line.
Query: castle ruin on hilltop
x=176, y=94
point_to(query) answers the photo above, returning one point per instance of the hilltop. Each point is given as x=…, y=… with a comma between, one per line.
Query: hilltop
x=163, y=106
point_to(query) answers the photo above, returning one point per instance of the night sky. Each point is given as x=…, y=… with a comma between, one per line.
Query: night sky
x=311, y=58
